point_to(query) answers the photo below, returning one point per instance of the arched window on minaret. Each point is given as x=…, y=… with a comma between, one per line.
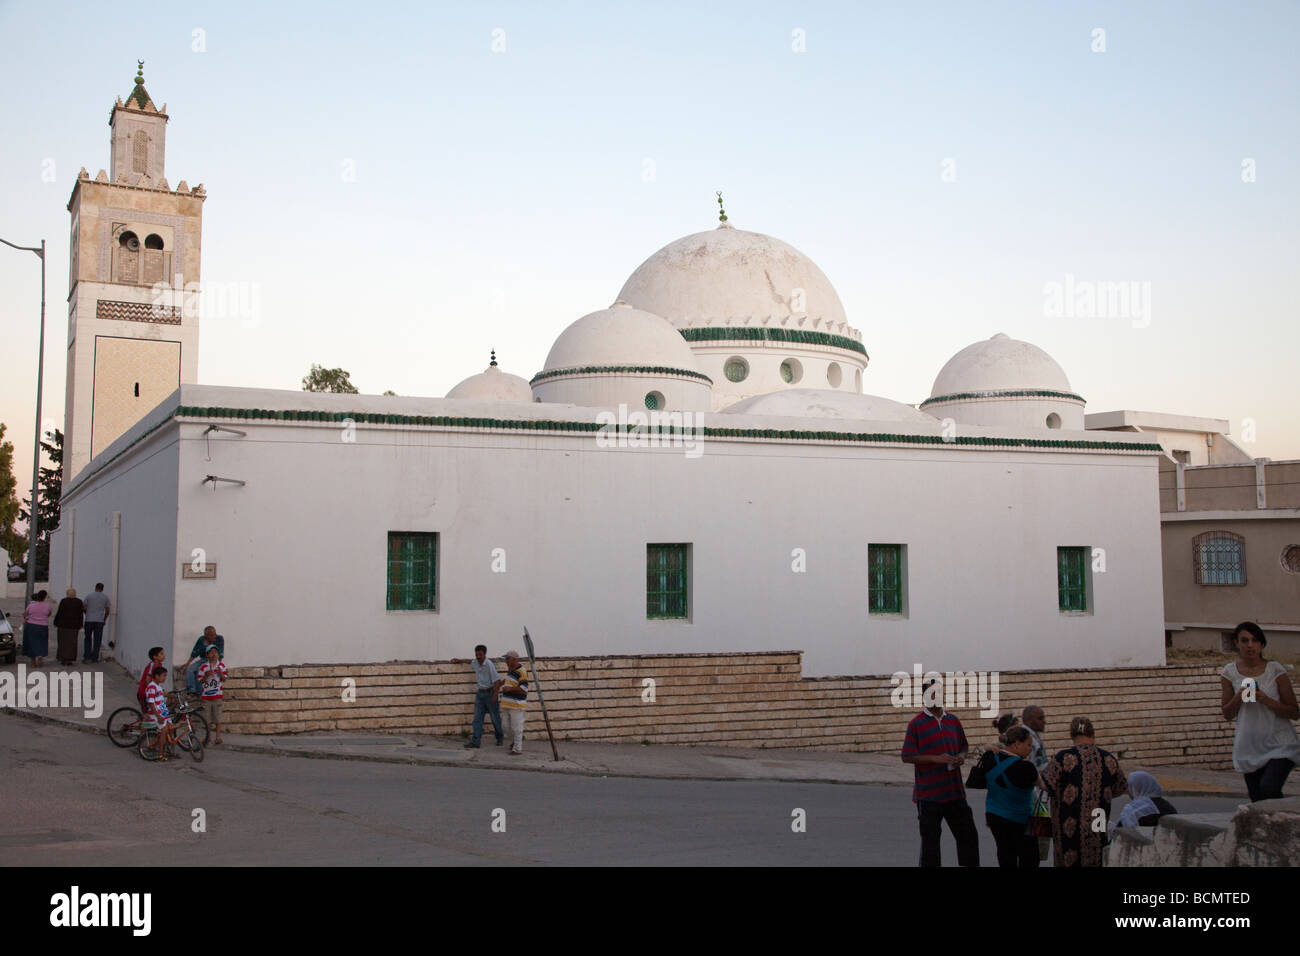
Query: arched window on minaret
x=140, y=153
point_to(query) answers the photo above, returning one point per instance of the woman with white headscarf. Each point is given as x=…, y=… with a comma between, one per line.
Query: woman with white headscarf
x=1147, y=803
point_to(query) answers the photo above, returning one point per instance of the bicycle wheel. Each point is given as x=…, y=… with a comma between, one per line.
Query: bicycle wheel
x=201, y=727
x=124, y=726
x=195, y=746
x=147, y=744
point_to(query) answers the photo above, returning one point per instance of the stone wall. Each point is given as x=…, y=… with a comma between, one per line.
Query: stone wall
x=1156, y=715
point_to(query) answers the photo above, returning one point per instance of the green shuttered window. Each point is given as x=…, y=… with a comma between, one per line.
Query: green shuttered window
x=885, y=581
x=666, y=574
x=1072, y=579
x=412, y=571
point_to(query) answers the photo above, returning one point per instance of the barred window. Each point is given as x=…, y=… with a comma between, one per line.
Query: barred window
x=666, y=574
x=885, y=578
x=1219, y=558
x=412, y=571
x=140, y=152
x=1072, y=579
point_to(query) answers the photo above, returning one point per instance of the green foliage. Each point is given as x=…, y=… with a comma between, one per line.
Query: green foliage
x=50, y=487
x=10, y=540
x=328, y=380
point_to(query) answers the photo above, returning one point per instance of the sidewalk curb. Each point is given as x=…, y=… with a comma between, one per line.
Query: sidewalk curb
x=572, y=770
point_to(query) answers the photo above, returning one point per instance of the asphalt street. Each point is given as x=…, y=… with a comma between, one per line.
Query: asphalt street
x=73, y=799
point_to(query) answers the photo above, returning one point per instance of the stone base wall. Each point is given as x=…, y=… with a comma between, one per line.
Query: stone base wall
x=1158, y=715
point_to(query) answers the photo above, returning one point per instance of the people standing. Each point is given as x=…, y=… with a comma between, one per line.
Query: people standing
x=485, y=700
x=936, y=745
x=1257, y=693
x=1034, y=719
x=1010, y=778
x=36, y=628
x=212, y=678
x=512, y=689
x=1080, y=781
x=98, y=608
x=67, y=621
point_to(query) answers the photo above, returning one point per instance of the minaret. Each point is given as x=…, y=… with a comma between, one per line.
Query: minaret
x=133, y=317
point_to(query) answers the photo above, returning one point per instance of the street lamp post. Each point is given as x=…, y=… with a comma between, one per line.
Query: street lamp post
x=33, y=527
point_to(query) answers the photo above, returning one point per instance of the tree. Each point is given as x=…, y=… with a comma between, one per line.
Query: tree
x=50, y=485
x=327, y=380
x=10, y=540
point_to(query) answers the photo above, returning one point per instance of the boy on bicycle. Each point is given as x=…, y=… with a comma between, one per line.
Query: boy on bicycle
x=156, y=707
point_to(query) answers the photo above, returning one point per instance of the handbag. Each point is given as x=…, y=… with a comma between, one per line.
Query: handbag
x=1040, y=821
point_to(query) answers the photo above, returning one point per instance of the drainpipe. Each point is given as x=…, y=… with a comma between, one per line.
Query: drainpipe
x=114, y=522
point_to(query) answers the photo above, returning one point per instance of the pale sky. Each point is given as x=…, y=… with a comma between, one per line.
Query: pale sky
x=397, y=197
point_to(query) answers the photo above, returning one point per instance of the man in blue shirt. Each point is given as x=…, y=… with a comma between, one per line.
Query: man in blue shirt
x=485, y=700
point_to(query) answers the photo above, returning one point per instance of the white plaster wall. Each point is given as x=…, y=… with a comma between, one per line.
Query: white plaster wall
x=610, y=390
x=1017, y=414
x=765, y=368
x=142, y=486
x=301, y=548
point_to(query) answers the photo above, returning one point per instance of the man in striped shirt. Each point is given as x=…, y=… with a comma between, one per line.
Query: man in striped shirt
x=936, y=746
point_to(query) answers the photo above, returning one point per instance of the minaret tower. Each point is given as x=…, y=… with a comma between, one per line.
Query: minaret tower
x=133, y=317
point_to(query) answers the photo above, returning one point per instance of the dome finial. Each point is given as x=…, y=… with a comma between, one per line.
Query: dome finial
x=493, y=363
x=722, y=213
x=139, y=73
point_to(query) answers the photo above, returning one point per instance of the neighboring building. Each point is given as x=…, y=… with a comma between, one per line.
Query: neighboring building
x=130, y=343
x=770, y=505
x=1188, y=440
x=1231, y=542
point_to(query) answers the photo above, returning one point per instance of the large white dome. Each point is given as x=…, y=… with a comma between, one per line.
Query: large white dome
x=620, y=337
x=823, y=403
x=999, y=364
x=493, y=385
x=728, y=275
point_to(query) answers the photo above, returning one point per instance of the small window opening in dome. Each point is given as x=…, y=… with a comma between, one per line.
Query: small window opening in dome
x=1053, y=420
x=736, y=369
x=654, y=400
x=834, y=374
x=791, y=371
x=857, y=380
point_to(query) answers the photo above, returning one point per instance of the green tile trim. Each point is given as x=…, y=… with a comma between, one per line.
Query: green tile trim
x=1004, y=393
x=449, y=421
x=731, y=333
x=552, y=425
x=604, y=369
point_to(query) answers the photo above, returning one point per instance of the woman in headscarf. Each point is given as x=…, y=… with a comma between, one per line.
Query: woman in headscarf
x=1079, y=781
x=68, y=620
x=36, y=629
x=1146, y=804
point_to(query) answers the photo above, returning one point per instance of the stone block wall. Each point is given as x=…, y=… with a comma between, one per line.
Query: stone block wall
x=1156, y=715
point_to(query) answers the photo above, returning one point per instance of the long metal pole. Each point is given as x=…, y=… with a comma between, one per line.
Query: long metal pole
x=34, y=525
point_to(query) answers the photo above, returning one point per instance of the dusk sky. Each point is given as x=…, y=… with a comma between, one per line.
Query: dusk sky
x=396, y=189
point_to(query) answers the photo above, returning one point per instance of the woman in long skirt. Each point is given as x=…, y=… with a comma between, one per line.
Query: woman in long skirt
x=68, y=620
x=1079, y=781
x=36, y=629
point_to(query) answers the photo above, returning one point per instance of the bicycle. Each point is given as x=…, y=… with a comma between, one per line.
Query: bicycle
x=125, y=725
x=185, y=734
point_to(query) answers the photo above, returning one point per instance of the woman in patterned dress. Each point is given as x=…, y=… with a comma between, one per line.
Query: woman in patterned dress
x=1078, y=781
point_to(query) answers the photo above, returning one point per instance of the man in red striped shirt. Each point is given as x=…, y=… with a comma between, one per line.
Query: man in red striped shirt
x=936, y=746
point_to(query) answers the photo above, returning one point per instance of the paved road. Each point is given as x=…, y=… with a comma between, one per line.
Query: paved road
x=74, y=799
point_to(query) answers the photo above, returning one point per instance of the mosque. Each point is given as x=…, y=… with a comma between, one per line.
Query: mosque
x=696, y=468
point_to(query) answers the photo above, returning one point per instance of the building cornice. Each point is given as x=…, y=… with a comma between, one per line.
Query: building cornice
x=1229, y=515
x=619, y=370
x=1004, y=393
x=745, y=333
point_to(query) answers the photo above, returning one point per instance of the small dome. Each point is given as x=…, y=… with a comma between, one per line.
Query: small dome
x=726, y=273
x=822, y=403
x=493, y=385
x=621, y=337
x=1000, y=363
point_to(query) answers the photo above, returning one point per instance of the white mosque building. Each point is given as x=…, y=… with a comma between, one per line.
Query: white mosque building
x=696, y=468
